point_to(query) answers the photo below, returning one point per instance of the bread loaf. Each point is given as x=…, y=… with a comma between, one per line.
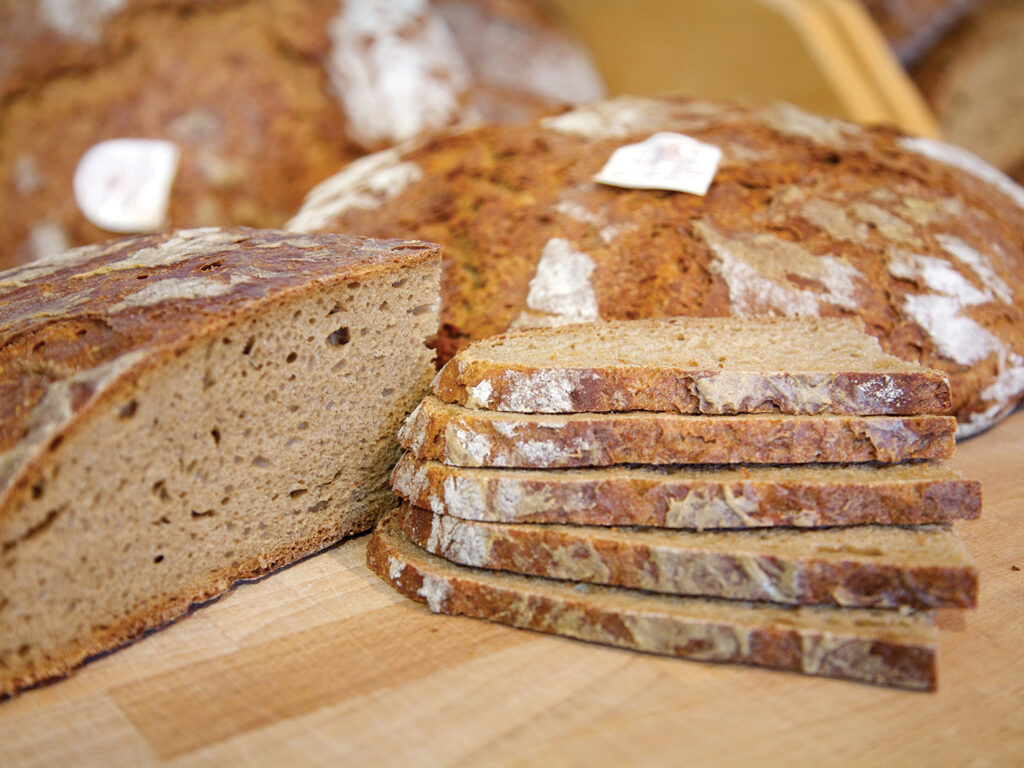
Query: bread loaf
x=805, y=216
x=973, y=79
x=694, y=497
x=884, y=647
x=866, y=566
x=184, y=410
x=691, y=365
x=468, y=437
x=262, y=99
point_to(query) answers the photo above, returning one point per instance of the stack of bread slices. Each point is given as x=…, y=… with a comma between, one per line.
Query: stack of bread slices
x=768, y=492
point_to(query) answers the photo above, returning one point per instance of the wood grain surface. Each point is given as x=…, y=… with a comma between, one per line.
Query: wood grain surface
x=322, y=664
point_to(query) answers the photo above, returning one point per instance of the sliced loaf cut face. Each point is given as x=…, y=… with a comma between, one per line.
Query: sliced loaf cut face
x=694, y=497
x=188, y=409
x=884, y=647
x=468, y=437
x=865, y=566
x=692, y=365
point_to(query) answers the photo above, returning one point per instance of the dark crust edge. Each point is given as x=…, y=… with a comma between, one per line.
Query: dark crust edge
x=524, y=549
x=914, y=664
x=667, y=388
x=576, y=499
x=658, y=438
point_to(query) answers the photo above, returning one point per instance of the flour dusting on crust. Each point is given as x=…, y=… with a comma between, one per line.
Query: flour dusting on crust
x=395, y=67
x=560, y=292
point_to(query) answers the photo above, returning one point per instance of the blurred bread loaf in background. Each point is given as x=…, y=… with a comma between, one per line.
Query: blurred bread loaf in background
x=251, y=102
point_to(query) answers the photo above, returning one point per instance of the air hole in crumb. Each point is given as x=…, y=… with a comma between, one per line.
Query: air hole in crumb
x=260, y=461
x=204, y=513
x=248, y=345
x=318, y=506
x=128, y=409
x=335, y=310
x=297, y=492
x=291, y=357
x=37, y=489
x=302, y=425
x=211, y=265
x=338, y=337
x=384, y=306
x=215, y=434
x=141, y=277
x=158, y=559
x=352, y=286
x=160, y=490
x=421, y=309
x=386, y=391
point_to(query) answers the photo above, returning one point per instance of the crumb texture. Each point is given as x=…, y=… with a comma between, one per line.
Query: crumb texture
x=190, y=409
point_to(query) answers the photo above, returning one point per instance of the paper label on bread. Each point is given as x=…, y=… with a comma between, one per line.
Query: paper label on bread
x=124, y=185
x=664, y=161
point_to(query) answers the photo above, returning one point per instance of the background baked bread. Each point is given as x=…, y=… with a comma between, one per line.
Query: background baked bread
x=806, y=216
x=262, y=98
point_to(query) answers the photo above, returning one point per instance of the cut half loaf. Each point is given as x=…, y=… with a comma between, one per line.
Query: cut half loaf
x=801, y=495
x=188, y=409
x=866, y=566
x=884, y=647
x=692, y=365
x=475, y=438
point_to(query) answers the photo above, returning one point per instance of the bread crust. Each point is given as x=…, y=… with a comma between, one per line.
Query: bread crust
x=806, y=217
x=868, y=567
x=473, y=438
x=852, y=644
x=691, y=497
x=80, y=335
x=864, y=387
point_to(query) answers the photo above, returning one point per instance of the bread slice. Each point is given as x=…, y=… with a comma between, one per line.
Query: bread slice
x=469, y=437
x=865, y=566
x=801, y=495
x=716, y=365
x=184, y=410
x=885, y=647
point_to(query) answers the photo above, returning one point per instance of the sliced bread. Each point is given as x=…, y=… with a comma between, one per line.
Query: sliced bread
x=692, y=365
x=187, y=409
x=476, y=438
x=866, y=566
x=884, y=647
x=800, y=495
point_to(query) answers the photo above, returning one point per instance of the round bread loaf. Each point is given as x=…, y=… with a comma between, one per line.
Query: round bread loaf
x=806, y=216
x=252, y=101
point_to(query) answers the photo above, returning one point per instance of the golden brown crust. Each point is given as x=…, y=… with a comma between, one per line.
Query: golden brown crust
x=853, y=644
x=473, y=438
x=693, y=497
x=868, y=567
x=806, y=216
x=859, y=380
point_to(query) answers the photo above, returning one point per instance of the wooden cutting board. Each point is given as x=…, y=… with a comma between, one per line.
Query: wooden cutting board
x=322, y=664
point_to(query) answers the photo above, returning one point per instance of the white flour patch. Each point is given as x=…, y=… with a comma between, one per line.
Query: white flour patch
x=960, y=158
x=365, y=183
x=395, y=568
x=787, y=119
x=561, y=288
x=435, y=591
x=178, y=289
x=396, y=69
x=756, y=271
x=480, y=395
x=81, y=19
x=611, y=119
x=463, y=497
x=980, y=263
x=547, y=390
x=936, y=275
x=955, y=336
x=607, y=232
x=469, y=444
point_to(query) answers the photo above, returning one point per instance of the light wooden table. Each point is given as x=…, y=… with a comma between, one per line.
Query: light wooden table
x=322, y=664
